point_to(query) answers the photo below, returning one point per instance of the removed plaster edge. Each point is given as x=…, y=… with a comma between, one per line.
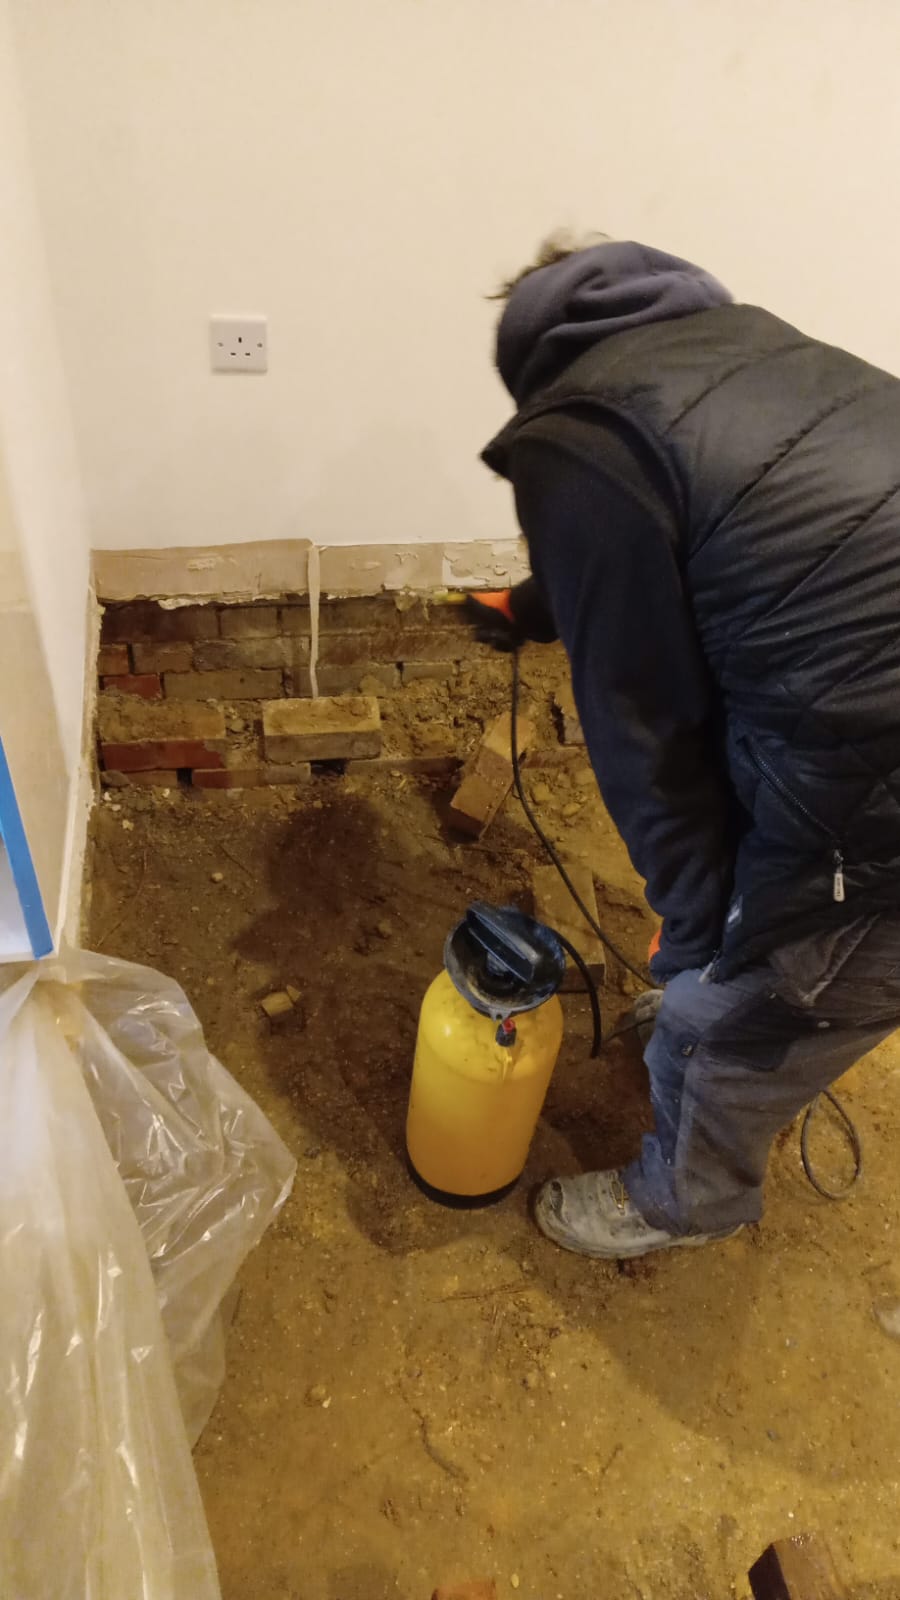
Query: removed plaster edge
x=269, y=569
x=74, y=908
x=495, y=562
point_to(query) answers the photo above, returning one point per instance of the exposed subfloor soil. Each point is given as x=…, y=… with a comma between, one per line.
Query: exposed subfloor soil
x=416, y=1394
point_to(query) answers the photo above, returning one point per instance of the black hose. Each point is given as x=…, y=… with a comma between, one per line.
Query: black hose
x=548, y=846
x=590, y=990
x=853, y=1140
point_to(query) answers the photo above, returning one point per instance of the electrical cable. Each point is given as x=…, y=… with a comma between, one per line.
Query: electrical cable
x=852, y=1132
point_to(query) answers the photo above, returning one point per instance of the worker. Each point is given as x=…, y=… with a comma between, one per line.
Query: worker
x=711, y=504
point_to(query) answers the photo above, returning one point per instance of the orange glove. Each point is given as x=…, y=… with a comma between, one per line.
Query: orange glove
x=498, y=600
x=493, y=618
x=654, y=945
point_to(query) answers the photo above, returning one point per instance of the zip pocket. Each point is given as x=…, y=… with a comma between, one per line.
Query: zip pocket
x=776, y=783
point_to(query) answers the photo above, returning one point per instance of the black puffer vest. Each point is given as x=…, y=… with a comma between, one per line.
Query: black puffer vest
x=783, y=456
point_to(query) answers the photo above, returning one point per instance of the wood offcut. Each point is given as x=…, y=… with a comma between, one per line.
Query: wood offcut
x=796, y=1569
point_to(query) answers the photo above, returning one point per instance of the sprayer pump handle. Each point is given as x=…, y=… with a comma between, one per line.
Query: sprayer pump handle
x=492, y=927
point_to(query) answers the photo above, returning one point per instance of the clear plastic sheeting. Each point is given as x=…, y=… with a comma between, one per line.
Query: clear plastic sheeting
x=135, y=1175
x=204, y=1169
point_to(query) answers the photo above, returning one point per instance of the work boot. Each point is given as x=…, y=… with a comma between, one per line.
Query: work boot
x=593, y=1216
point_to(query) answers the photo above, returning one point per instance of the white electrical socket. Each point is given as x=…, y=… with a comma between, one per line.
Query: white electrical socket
x=239, y=344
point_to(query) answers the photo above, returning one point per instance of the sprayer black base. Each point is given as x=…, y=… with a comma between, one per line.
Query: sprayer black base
x=459, y=1202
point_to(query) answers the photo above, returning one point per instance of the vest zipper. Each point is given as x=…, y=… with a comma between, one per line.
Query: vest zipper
x=777, y=783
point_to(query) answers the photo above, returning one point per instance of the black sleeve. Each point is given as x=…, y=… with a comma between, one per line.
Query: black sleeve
x=532, y=613
x=605, y=557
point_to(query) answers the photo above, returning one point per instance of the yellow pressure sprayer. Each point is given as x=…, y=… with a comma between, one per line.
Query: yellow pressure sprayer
x=490, y=1029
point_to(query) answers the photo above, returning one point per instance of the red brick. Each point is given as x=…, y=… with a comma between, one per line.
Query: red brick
x=419, y=611
x=142, y=735
x=151, y=779
x=294, y=619
x=248, y=622
x=373, y=614
x=557, y=755
x=228, y=777
x=331, y=729
x=220, y=655
x=146, y=684
x=476, y=803
x=123, y=720
x=349, y=680
x=354, y=650
x=147, y=621
x=163, y=657
x=488, y=775
x=235, y=685
x=429, y=671
x=493, y=756
x=113, y=662
x=299, y=772
x=296, y=673
x=398, y=644
x=159, y=753
x=360, y=613
x=242, y=769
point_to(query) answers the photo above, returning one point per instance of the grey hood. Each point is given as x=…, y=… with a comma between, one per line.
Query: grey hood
x=559, y=311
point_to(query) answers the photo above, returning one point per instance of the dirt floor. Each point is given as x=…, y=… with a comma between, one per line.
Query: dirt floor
x=416, y=1394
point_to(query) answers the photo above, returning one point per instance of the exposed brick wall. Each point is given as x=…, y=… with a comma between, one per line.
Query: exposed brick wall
x=162, y=665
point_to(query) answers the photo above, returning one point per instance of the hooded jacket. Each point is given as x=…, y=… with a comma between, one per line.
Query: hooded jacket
x=711, y=501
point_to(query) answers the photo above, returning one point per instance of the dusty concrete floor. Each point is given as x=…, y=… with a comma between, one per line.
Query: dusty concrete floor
x=415, y=1394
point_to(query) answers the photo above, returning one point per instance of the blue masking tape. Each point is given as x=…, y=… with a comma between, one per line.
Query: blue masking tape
x=24, y=875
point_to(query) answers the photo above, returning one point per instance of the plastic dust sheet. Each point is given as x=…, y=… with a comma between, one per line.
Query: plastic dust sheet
x=135, y=1175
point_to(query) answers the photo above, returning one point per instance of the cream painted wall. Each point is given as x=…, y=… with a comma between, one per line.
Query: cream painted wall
x=363, y=172
x=30, y=733
x=36, y=437
x=44, y=549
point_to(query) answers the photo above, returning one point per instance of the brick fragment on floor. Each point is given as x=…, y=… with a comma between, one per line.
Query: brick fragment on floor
x=567, y=714
x=141, y=735
x=488, y=775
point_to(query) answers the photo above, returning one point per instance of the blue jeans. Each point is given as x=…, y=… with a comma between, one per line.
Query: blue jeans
x=732, y=1063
